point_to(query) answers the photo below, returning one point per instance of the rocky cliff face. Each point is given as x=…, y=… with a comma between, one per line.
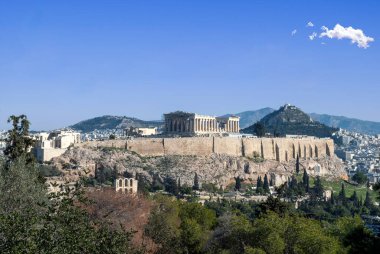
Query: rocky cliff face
x=218, y=169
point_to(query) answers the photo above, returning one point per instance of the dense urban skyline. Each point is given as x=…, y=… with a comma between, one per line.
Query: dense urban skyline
x=65, y=62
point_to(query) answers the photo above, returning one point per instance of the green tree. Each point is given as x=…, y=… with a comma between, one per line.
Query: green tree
x=332, y=199
x=156, y=184
x=18, y=141
x=237, y=183
x=355, y=200
x=259, y=182
x=360, y=178
x=21, y=188
x=144, y=186
x=305, y=180
x=259, y=129
x=368, y=202
x=231, y=235
x=250, y=250
x=342, y=194
x=376, y=187
x=275, y=234
x=354, y=236
x=271, y=182
x=68, y=228
x=266, y=184
x=293, y=183
x=163, y=225
x=273, y=204
x=105, y=175
x=196, y=182
x=180, y=227
x=33, y=221
x=192, y=238
x=171, y=186
x=318, y=189
x=59, y=226
x=259, y=185
x=298, y=165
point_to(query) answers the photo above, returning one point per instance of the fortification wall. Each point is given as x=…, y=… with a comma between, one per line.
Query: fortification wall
x=280, y=149
x=228, y=145
x=147, y=146
x=202, y=146
x=106, y=143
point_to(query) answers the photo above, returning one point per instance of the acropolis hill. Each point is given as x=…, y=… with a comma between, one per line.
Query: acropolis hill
x=210, y=146
x=201, y=135
x=216, y=160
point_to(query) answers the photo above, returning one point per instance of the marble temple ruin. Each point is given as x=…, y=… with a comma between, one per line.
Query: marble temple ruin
x=183, y=123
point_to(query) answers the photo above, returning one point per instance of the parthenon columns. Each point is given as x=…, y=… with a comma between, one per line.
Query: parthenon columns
x=202, y=125
x=232, y=126
x=182, y=122
x=205, y=125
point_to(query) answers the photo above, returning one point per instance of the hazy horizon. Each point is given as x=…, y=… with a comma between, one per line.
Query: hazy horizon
x=64, y=62
x=8, y=125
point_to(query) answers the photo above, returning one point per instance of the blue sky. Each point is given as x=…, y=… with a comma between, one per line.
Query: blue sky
x=66, y=61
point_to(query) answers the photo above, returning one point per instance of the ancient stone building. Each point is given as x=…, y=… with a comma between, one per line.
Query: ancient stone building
x=126, y=185
x=53, y=144
x=183, y=123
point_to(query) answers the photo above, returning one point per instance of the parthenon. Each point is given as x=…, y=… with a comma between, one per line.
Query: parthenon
x=192, y=124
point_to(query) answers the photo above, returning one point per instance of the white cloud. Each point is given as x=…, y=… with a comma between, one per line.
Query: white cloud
x=294, y=32
x=309, y=24
x=355, y=35
x=313, y=36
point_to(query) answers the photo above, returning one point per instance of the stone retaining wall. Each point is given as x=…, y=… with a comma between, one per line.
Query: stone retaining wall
x=280, y=149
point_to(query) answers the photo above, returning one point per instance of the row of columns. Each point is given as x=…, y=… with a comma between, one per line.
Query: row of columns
x=232, y=126
x=180, y=125
x=206, y=125
x=201, y=125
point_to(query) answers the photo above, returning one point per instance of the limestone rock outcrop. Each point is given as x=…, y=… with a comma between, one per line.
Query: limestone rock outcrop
x=219, y=169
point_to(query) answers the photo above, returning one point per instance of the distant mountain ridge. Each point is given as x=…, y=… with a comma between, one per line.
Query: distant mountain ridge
x=247, y=118
x=290, y=120
x=351, y=124
x=112, y=122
